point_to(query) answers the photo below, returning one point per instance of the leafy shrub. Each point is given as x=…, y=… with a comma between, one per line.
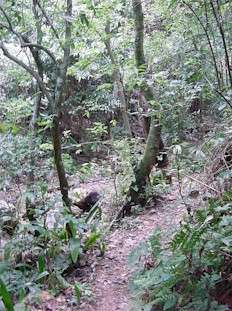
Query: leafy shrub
x=39, y=256
x=193, y=273
x=16, y=154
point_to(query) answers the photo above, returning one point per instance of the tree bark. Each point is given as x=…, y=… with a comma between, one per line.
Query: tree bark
x=143, y=169
x=54, y=99
x=117, y=79
x=56, y=107
x=39, y=64
x=145, y=166
x=139, y=33
x=56, y=140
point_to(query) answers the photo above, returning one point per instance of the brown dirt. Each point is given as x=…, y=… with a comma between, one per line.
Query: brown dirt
x=109, y=276
x=110, y=285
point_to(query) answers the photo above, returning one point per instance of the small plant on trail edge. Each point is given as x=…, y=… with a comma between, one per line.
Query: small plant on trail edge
x=82, y=290
x=194, y=271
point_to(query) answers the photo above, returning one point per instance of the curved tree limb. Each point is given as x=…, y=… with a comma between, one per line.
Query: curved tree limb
x=40, y=47
x=24, y=40
x=28, y=69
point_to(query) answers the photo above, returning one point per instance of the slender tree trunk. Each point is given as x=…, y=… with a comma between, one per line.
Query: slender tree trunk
x=55, y=99
x=56, y=107
x=39, y=96
x=142, y=172
x=123, y=104
x=36, y=110
x=39, y=64
x=205, y=29
x=218, y=18
x=56, y=140
x=30, y=200
x=117, y=79
x=151, y=152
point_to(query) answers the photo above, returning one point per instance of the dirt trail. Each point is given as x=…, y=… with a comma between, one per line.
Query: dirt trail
x=110, y=275
x=110, y=286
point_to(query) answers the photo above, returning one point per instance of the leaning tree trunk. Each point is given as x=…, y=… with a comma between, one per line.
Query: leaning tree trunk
x=143, y=169
x=56, y=107
x=148, y=161
x=57, y=149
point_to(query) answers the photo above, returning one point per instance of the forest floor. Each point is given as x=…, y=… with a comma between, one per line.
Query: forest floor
x=110, y=287
x=108, y=276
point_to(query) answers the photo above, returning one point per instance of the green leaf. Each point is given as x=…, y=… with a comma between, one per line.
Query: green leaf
x=41, y=264
x=6, y=298
x=72, y=227
x=77, y=290
x=3, y=266
x=84, y=19
x=92, y=239
x=4, y=127
x=46, y=147
x=224, y=208
x=42, y=275
x=75, y=249
x=227, y=241
x=172, y=3
x=22, y=294
x=170, y=302
x=15, y=129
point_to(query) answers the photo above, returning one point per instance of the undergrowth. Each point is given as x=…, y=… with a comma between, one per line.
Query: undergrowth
x=39, y=257
x=192, y=272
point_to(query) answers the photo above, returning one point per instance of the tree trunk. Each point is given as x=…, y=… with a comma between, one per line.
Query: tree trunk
x=36, y=111
x=56, y=140
x=56, y=107
x=123, y=104
x=143, y=170
x=117, y=79
x=55, y=99
x=148, y=161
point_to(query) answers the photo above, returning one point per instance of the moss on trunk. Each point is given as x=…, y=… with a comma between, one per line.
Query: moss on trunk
x=143, y=169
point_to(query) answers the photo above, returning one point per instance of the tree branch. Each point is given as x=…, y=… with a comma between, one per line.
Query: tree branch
x=208, y=39
x=24, y=41
x=28, y=69
x=40, y=47
x=48, y=20
x=7, y=18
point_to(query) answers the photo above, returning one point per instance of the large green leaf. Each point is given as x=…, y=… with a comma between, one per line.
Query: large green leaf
x=75, y=249
x=6, y=298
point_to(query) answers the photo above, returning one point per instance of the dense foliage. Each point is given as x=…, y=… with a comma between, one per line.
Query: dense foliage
x=139, y=92
x=193, y=271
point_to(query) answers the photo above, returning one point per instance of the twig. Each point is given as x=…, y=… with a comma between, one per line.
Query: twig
x=202, y=183
x=188, y=207
x=48, y=20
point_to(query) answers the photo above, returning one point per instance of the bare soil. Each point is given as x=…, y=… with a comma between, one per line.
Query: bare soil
x=110, y=285
x=108, y=277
